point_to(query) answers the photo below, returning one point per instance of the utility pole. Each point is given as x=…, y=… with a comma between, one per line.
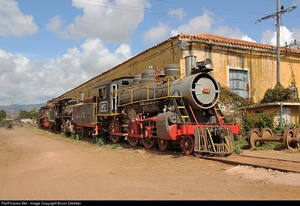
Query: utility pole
x=278, y=40
x=280, y=10
x=12, y=109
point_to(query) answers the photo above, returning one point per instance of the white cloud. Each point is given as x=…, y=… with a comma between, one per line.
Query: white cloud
x=179, y=13
x=112, y=21
x=157, y=33
x=41, y=80
x=235, y=33
x=13, y=22
x=286, y=37
x=199, y=24
x=226, y=31
x=247, y=38
x=124, y=50
x=54, y=24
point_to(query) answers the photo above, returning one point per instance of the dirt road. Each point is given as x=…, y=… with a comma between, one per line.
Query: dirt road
x=38, y=165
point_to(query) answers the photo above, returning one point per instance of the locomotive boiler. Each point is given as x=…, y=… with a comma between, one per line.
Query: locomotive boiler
x=200, y=90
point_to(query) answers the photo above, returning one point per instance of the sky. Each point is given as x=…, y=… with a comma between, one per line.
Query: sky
x=48, y=47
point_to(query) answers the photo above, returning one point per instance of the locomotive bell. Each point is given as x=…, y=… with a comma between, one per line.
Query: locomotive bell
x=204, y=66
x=161, y=73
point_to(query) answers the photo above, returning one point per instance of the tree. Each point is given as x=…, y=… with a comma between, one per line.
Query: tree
x=2, y=115
x=279, y=93
x=34, y=113
x=24, y=114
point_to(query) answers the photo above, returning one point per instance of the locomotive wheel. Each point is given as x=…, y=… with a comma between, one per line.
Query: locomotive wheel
x=115, y=127
x=85, y=132
x=187, y=144
x=149, y=142
x=287, y=138
x=133, y=141
x=79, y=132
x=163, y=144
x=132, y=128
x=296, y=136
x=254, y=138
x=265, y=133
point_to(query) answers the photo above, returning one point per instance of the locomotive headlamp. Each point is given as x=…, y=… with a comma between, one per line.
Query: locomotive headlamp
x=207, y=91
x=205, y=66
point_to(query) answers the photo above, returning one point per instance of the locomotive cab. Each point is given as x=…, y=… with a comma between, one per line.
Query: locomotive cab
x=108, y=95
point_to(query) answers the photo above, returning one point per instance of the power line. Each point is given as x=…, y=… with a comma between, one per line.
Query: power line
x=277, y=14
x=132, y=8
x=12, y=109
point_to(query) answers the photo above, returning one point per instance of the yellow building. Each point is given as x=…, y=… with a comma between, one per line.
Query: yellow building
x=249, y=69
x=284, y=113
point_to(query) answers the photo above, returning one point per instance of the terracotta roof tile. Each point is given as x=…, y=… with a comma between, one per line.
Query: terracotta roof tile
x=231, y=41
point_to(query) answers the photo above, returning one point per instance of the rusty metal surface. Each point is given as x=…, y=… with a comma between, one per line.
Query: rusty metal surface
x=83, y=114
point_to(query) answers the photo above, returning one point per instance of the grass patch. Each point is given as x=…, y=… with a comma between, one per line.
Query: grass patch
x=114, y=146
x=100, y=141
x=242, y=144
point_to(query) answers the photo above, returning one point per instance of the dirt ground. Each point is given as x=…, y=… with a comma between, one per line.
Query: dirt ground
x=38, y=165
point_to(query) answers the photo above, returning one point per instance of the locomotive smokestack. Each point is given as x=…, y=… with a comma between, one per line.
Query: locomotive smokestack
x=205, y=66
x=190, y=62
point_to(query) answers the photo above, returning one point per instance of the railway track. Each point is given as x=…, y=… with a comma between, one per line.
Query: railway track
x=256, y=161
x=283, y=165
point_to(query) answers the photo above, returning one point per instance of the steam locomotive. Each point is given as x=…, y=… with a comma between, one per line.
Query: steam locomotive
x=155, y=108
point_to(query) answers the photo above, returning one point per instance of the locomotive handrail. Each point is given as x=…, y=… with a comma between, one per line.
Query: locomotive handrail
x=108, y=115
x=146, y=100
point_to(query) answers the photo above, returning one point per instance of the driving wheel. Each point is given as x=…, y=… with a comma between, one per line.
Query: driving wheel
x=132, y=141
x=85, y=132
x=115, y=127
x=149, y=142
x=187, y=144
x=132, y=128
x=163, y=144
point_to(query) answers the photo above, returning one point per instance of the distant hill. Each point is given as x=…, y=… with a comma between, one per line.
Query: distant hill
x=17, y=107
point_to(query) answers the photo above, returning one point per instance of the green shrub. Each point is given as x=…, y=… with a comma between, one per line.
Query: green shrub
x=100, y=141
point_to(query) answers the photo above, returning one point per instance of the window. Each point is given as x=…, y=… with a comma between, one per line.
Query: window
x=285, y=116
x=259, y=111
x=238, y=80
x=125, y=82
x=102, y=93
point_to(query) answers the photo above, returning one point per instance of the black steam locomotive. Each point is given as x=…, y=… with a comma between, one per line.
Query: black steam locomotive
x=157, y=107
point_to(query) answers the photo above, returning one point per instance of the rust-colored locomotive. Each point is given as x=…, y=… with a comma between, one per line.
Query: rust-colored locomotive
x=42, y=118
x=157, y=107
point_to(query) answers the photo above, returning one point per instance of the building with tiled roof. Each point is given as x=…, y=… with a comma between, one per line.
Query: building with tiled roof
x=248, y=69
